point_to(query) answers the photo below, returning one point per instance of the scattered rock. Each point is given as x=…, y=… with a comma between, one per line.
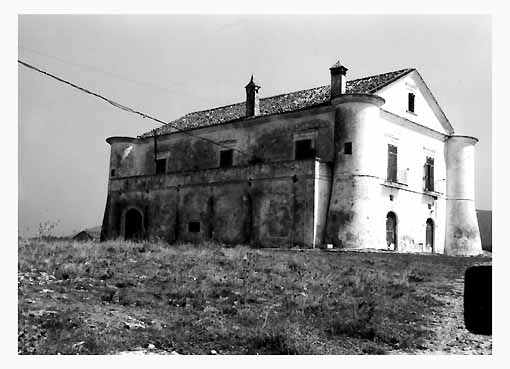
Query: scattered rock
x=133, y=352
x=78, y=344
x=134, y=323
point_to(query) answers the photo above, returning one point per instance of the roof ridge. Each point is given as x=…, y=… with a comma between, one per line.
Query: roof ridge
x=216, y=108
x=193, y=117
x=292, y=92
x=400, y=71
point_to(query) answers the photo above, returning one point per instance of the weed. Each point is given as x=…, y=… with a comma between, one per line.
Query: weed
x=196, y=298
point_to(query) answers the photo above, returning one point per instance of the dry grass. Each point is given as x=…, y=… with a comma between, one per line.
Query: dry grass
x=99, y=298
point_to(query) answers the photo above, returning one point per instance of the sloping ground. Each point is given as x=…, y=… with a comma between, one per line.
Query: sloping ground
x=115, y=297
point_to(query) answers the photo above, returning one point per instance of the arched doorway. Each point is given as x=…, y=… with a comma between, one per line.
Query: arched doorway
x=133, y=225
x=391, y=230
x=429, y=235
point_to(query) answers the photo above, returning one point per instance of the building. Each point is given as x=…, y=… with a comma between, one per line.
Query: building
x=366, y=163
x=89, y=234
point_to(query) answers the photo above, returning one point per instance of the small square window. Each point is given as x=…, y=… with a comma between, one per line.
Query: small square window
x=410, y=102
x=348, y=148
x=160, y=166
x=194, y=227
x=304, y=149
x=226, y=158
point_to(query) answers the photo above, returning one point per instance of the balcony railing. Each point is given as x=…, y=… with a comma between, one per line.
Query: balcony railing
x=398, y=177
x=438, y=186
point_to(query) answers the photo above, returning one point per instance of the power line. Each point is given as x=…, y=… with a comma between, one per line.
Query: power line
x=99, y=70
x=126, y=108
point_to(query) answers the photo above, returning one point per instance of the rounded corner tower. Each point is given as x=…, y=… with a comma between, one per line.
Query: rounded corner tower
x=462, y=236
x=351, y=221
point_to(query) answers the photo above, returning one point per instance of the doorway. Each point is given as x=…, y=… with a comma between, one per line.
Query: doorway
x=391, y=230
x=133, y=229
x=429, y=235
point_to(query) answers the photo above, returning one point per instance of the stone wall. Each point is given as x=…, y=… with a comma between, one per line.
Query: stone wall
x=262, y=204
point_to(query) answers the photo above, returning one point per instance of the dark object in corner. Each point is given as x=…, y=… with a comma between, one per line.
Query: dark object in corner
x=478, y=299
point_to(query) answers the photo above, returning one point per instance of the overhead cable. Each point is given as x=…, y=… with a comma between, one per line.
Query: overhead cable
x=128, y=109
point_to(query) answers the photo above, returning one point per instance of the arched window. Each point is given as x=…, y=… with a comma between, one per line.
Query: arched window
x=133, y=225
x=429, y=235
x=391, y=230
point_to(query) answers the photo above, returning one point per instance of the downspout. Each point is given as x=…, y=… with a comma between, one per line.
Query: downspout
x=155, y=150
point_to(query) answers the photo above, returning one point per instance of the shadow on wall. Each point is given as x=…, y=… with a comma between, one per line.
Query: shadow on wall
x=485, y=226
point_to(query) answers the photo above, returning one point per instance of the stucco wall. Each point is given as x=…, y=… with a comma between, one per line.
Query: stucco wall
x=338, y=198
x=322, y=193
x=426, y=111
x=462, y=233
x=361, y=195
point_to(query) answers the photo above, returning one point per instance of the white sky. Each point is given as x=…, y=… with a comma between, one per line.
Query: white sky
x=167, y=66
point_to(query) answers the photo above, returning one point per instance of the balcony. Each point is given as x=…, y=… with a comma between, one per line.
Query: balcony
x=397, y=178
x=434, y=189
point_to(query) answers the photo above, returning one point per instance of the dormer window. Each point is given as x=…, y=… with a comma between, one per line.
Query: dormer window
x=410, y=102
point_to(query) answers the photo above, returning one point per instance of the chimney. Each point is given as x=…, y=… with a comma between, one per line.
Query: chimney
x=252, y=99
x=338, y=72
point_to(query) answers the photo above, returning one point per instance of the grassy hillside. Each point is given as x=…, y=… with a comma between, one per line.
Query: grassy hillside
x=113, y=297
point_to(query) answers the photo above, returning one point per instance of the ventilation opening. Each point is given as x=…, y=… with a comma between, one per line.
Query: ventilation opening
x=194, y=227
x=226, y=158
x=410, y=102
x=304, y=149
x=160, y=166
x=348, y=148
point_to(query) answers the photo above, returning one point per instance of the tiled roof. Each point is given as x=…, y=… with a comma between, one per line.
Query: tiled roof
x=276, y=104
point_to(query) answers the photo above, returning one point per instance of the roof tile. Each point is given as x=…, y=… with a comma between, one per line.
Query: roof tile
x=276, y=104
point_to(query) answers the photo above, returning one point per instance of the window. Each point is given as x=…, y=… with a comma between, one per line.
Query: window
x=410, y=102
x=194, y=227
x=112, y=173
x=392, y=163
x=226, y=158
x=160, y=166
x=348, y=148
x=429, y=174
x=303, y=149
